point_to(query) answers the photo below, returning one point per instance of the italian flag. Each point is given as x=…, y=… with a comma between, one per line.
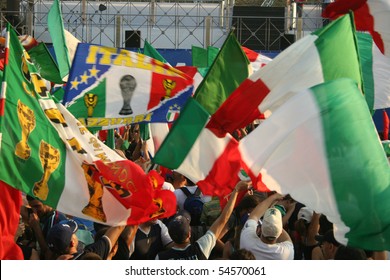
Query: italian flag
x=257, y=60
x=321, y=147
x=309, y=61
x=194, y=150
x=212, y=162
x=45, y=152
x=57, y=33
x=229, y=69
x=376, y=72
x=370, y=15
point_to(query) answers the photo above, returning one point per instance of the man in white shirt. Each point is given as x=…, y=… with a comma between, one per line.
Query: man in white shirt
x=268, y=241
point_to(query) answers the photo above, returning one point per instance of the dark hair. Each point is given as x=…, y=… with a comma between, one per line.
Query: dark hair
x=349, y=253
x=248, y=201
x=242, y=254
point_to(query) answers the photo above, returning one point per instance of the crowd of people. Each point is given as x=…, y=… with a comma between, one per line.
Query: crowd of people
x=258, y=226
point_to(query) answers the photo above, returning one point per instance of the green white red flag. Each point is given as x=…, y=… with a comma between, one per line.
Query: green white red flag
x=57, y=34
x=309, y=61
x=322, y=148
x=191, y=148
x=370, y=15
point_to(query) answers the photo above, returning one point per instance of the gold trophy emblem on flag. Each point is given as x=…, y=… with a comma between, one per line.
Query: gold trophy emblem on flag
x=159, y=203
x=168, y=85
x=90, y=100
x=94, y=208
x=50, y=159
x=27, y=123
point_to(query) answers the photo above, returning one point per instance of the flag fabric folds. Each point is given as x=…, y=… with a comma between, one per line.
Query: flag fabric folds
x=228, y=70
x=309, y=61
x=10, y=203
x=370, y=15
x=194, y=150
x=257, y=60
x=47, y=66
x=190, y=148
x=375, y=72
x=386, y=125
x=321, y=147
x=110, y=87
x=56, y=30
x=48, y=154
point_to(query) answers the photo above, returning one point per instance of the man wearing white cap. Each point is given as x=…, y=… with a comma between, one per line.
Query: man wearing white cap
x=267, y=239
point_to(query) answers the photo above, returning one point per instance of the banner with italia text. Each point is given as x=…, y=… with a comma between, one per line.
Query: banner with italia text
x=111, y=87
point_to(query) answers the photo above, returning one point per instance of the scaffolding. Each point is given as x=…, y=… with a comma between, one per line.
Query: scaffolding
x=165, y=24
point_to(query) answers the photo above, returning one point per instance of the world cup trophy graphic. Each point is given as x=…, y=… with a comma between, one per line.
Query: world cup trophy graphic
x=127, y=85
x=27, y=123
x=95, y=188
x=50, y=159
x=90, y=100
x=168, y=85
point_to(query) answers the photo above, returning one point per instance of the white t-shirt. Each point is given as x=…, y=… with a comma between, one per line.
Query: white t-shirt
x=181, y=197
x=262, y=251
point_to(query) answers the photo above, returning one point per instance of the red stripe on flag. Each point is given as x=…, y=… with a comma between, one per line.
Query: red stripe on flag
x=240, y=108
x=252, y=55
x=223, y=176
x=364, y=21
x=2, y=106
x=10, y=203
x=386, y=125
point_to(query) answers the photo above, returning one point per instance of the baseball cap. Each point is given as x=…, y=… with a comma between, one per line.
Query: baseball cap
x=60, y=235
x=179, y=227
x=272, y=225
x=306, y=214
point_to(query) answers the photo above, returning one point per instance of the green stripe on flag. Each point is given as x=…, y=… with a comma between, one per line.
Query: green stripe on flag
x=365, y=44
x=227, y=72
x=56, y=30
x=341, y=28
x=358, y=167
x=183, y=135
x=212, y=53
x=48, y=68
x=150, y=51
x=199, y=57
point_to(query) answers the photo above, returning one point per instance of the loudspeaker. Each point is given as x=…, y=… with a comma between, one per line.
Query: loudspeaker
x=132, y=39
x=286, y=40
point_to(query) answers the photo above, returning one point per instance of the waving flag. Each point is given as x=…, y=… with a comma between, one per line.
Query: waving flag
x=386, y=125
x=376, y=72
x=322, y=148
x=110, y=87
x=46, y=153
x=10, y=203
x=45, y=63
x=228, y=70
x=191, y=148
x=56, y=30
x=309, y=61
x=257, y=60
x=370, y=15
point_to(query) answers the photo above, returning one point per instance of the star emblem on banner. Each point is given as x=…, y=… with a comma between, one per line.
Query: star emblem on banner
x=75, y=83
x=175, y=107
